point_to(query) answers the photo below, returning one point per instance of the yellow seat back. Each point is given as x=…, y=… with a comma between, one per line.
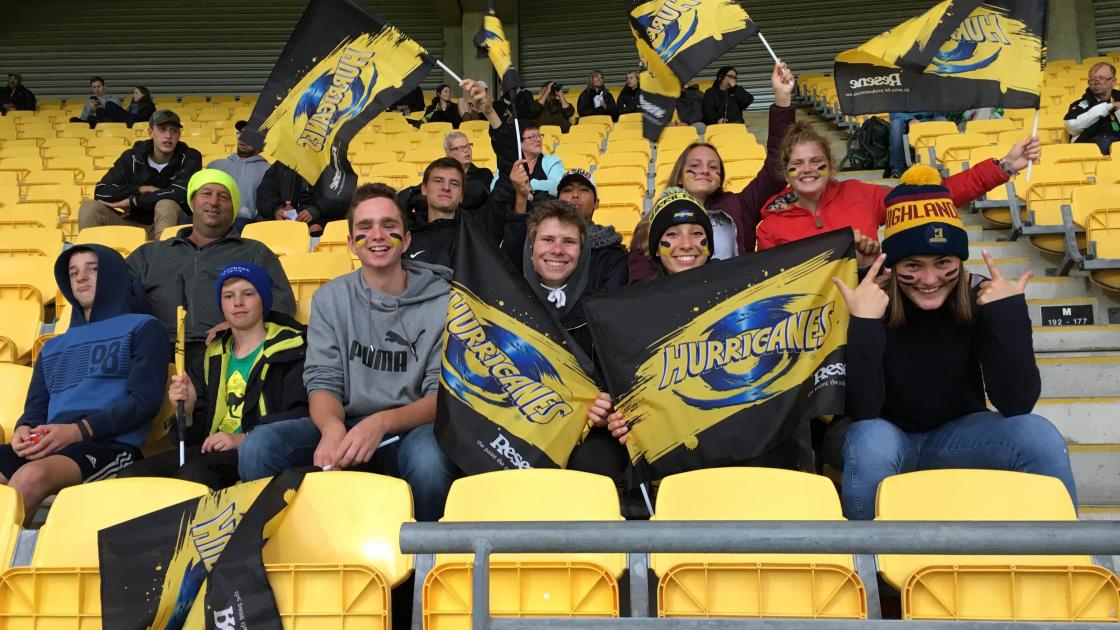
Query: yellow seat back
x=282, y=237
x=14, y=381
x=125, y=239
x=308, y=271
x=398, y=175
x=953, y=150
x=1089, y=199
x=1103, y=228
x=11, y=517
x=924, y=133
x=1050, y=187
x=20, y=321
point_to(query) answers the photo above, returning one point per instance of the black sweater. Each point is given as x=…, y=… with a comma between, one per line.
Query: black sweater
x=933, y=370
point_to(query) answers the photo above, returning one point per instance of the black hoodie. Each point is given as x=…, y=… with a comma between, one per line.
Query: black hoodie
x=131, y=171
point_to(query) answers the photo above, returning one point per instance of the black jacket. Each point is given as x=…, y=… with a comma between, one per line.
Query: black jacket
x=281, y=388
x=628, y=102
x=414, y=101
x=475, y=193
x=434, y=242
x=450, y=115
x=690, y=108
x=586, y=104
x=1099, y=123
x=280, y=184
x=727, y=104
x=131, y=171
x=21, y=97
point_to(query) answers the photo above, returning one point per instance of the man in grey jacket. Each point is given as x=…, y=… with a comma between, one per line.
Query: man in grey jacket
x=374, y=348
x=247, y=168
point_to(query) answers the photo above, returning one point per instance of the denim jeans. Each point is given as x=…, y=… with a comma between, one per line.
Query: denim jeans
x=872, y=450
x=416, y=458
x=900, y=123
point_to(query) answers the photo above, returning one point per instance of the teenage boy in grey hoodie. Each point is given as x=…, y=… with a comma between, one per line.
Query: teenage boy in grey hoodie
x=246, y=167
x=372, y=367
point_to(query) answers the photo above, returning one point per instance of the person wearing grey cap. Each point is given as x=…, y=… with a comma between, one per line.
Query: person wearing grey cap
x=247, y=168
x=147, y=186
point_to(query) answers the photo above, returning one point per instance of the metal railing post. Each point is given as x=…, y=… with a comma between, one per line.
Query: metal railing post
x=480, y=586
x=639, y=584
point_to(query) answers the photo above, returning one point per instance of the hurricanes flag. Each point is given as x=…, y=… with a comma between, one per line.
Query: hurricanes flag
x=196, y=564
x=342, y=66
x=491, y=42
x=515, y=388
x=676, y=39
x=745, y=351
x=961, y=54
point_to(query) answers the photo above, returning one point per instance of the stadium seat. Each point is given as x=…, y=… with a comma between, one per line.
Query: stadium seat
x=308, y=271
x=28, y=278
x=952, y=150
x=622, y=217
x=638, y=145
x=12, y=151
x=550, y=135
x=11, y=517
x=629, y=177
x=67, y=196
x=624, y=159
x=626, y=131
x=583, y=155
x=21, y=166
x=631, y=117
x=124, y=239
x=475, y=126
x=19, y=215
x=1087, y=155
x=1102, y=236
x=334, y=237
x=592, y=133
x=14, y=381
x=282, y=237
x=563, y=585
x=31, y=242
x=736, y=171
x=1051, y=186
x=782, y=585
x=992, y=127
x=337, y=572
x=398, y=175
x=923, y=133
x=991, y=587
x=20, y=321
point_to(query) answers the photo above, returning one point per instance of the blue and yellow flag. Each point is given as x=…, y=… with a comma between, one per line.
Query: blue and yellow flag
x=742, y=353
x=342, y=66
x=959, y=55
x=491, y=42
x=515, y=388
x=677, y=39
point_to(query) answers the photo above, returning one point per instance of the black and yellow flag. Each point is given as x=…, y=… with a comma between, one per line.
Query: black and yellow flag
x=491, y=42
x=342, y=66
x=514, y=390
x=196, y=564
x=677, y=39
x=961, y=54
x=727, y=360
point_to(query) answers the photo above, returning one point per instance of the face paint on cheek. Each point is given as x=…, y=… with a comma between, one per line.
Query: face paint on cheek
x=360, y=242
x=822, y=169
x=791, y=172
x=395, y=239
x=905, y=278
x=665, y=248
x=704, y=247
x=951, y=275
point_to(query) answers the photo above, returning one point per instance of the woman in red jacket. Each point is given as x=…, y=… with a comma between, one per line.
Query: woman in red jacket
x=816, y=202
x=699, y=170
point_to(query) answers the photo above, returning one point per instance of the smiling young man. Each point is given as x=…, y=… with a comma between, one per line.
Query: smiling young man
x=147, y=186
x=373, y=365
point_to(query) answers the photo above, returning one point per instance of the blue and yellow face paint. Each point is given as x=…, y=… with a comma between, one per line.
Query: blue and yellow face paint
x=793, y=171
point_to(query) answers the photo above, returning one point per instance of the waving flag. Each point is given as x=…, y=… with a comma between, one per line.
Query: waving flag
x=961, y=54
x=676, y=39
x=728, y=359
x=491, y=42
x=515, y=390
x=342, y=66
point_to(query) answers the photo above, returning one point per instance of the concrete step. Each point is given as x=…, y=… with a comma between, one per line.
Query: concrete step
x=1096, y=470
x=1083, y=420
x=1085, y=377
x=1041, y=288
x=1003, y=249
x=1064, y=312
x=1094, y=339
x=1011, y=267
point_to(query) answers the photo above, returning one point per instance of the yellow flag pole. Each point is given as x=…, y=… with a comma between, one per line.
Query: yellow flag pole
x=180, y=369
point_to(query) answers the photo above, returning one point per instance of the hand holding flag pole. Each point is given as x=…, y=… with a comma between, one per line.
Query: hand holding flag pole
x=1034, y=134
x=180, y=369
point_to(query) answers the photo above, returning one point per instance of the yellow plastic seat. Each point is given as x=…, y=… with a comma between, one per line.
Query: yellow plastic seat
x=28, y=278
x=1086, y=155
x=14, y=380
x=1020, y=588
x=473, y=126
x=923, y=133
x=334, y=237
x=398, y=175
x=124, y=239
x=736, y=149
x=11, y=517
x=20, y=321
x=1051, y=187
x=625, y=159
x=952, y=150
x=684, y=133
x=308, y=271
x=67, y=196
x=31, y=242
x=16, y=216
x=620, y=197
x=21, y=166
x=632, y=178
x=754, y=585
x=624, y=218
x=992, y=127
x=527, y=585
x=740, y=169
x=26, y=152
x=1089, y=199
x=1102, y=229
x=282, y=237
x=733, y=130
x=629, y=145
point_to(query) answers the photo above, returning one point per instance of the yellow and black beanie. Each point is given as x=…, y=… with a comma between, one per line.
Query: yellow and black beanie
x=922, y=218
x=676, y=206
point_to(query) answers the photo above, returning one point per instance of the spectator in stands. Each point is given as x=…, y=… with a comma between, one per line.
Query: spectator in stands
x=550, y=107
x=411, y=102
x=442, y=108
x=816, y=202
x=94, y=390
x=545, y=169
x=699, y=170
x=181, y=271
x=373, y=366
x=596, y=99
x=251, y=374
x=928, y=344
x=1093, y=118
x=900, y=125
x=94, y=109
x=247, y=168
x=468, y=107
x=477, y=189
x=147, y=186
x=16, y=96
x=725, y=101
x=140, y=108
x=628, y=98
x=284, y=195
x=690, y=107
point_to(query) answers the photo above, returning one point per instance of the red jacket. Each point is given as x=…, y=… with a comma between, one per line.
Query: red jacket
x=857, y=204
x=743, y=207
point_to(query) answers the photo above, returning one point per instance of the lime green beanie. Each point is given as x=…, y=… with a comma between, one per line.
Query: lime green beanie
x=214, y=176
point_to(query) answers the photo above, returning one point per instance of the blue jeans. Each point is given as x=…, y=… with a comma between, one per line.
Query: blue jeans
x=900, y=122
x=416, y=458
x=875, y=449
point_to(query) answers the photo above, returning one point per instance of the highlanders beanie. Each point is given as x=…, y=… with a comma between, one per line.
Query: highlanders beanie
x=213, y=176
x=255, y=274
x=922, y=218
x=674, y=207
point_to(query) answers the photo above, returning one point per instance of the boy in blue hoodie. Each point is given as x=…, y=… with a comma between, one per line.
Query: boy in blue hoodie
x=95, y=389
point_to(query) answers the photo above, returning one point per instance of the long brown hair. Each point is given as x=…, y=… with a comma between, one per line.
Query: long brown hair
x=676, y=176
x=960, y=301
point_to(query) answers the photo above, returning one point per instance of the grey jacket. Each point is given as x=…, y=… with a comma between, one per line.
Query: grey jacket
x=176, y=268
x=374, y=351
x=247, y=172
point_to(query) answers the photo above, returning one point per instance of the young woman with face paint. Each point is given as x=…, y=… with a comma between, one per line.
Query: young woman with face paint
x=815, y=202
x=928, y=345
x=734, y=215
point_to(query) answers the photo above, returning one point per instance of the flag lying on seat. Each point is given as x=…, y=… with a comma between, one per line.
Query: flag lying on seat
x=716, y=365
x=194, y=561
x=676, y=39
x=491, y=42
x=514, y=390
x=961, y=54
x=342, y=66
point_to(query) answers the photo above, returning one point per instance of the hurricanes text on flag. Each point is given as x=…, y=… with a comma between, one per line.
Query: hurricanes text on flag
x=959, y=55
x=342, y=66
x=747, y=350
x=676, y=39
x=514, y=388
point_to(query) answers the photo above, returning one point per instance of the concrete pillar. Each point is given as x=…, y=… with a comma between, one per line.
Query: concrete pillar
x=1072, y=32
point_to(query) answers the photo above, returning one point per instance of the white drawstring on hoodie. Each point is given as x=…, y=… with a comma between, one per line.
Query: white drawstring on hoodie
x=557, y=296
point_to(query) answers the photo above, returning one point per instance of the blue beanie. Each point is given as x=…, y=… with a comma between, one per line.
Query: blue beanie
x=255, y=274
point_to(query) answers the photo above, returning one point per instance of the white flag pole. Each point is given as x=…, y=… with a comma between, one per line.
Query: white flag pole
x=1034, y=132
x=767, y=45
